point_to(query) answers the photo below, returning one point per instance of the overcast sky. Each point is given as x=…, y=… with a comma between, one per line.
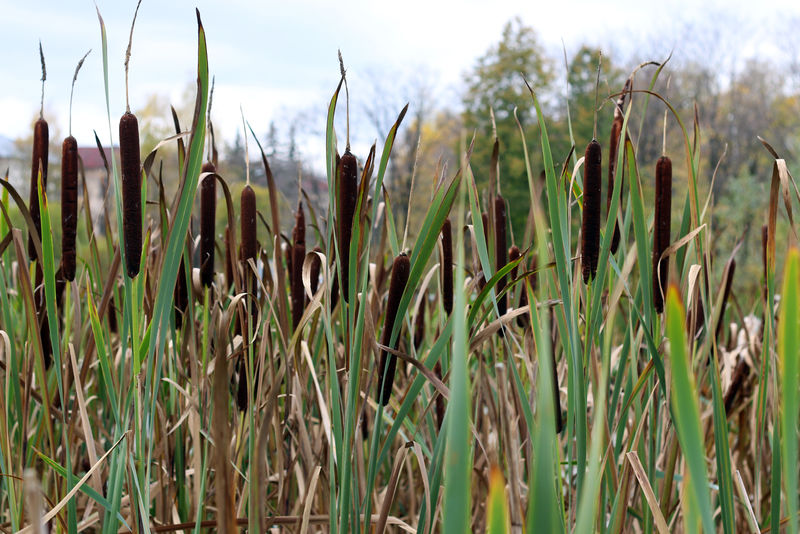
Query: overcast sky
x=274, y=58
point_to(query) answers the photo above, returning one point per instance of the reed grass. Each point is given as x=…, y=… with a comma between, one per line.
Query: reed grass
x=342, y=399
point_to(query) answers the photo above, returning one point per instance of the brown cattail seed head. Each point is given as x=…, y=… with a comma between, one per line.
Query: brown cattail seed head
x=348, y=192
x=299, y=230
x=397, y=286
x=513, y=255
x=248, y=209
x=41, y=138
x=112, y=316
x=440, y=408
x=296, y=267
x=590, y=229
x=501, y=252
x=447, y=267
x=241, y=386
x=69, y=205
x=41, y=315
x=130, y=163
x=181, y=295
x=208, y=219
x=613, y=145
x=740, y=374
x=661, y=238
x=419, y=323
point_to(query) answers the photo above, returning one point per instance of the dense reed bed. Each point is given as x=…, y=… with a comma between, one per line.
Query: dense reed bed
x=469, y=378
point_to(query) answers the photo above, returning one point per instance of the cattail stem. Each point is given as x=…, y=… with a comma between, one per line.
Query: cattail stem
x=69, y=206
x=764, y=238
x=72, y=88
x=128, y=56
x=348, y=191
x=229, y=255
x=347, y=98
x=130, y=164
x=596, y=91
x=661, y=230
x=590, y=228
x=44, y=77
x=397, y=286
x=208, y=219
x=613, y=147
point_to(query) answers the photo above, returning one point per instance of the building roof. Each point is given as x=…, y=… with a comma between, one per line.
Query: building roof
x=92, y=159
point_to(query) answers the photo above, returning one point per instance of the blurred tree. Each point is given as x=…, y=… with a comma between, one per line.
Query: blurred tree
x=385, y=97
x=583, y=84
x=495, y=83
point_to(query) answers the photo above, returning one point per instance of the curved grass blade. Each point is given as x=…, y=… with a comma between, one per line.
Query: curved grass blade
x=686, y=413
x=789, y=360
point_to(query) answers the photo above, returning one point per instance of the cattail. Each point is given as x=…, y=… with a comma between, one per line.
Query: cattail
x=61, y=286
x=241, y=386
x=298, y=255
x=501, y=252
x=397, y=286
x=348, y=194
x=698, y=312
x=41, y=315
x=249, y=247
x=334, y=291
x=314, y=270
x=447, y=267
x=590, y=228
x=726, y=293
x=130, y=165
x=661, y=230
x=613, y=145
x=364, y=426
x=112, y=316
x=41, y=138
x=181, y=295
x=513, y=255
x=740, y=373
x=69, y=205
x=208, y=216
x=440, y=408
x=419, y=323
